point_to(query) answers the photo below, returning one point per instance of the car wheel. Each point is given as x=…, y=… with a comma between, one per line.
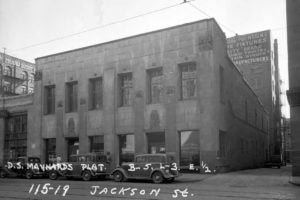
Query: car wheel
x=28, y=174
x=157, y=177
x=86, y=176
x=53, y=175
x=2, y=174
x=118, y=176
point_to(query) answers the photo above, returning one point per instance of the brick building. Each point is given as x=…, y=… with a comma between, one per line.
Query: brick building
x=256, y=56
x=16, y=76
x=172, y=90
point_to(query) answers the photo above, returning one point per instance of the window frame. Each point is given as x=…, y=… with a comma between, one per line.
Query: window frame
x=123, y=89
x=93, y=93
x=187, y=65
x=49, y=100
x=71, y=100
x=151, y=73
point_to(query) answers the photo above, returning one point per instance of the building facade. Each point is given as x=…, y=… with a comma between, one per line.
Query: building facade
x=256, y=56
x=16, y=76
x=293, y=94
x=173, y=90
x=15, y=126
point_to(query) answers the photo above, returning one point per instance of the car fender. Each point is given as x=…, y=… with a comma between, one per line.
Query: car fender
x=121, y=170
x=159, y=170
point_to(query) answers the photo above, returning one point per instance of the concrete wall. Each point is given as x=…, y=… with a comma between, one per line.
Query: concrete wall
x=293, y=28
x=240, y=124
x=197, y=42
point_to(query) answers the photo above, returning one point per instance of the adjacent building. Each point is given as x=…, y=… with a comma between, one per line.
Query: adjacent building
x=293, y=94
x=256, y=56
x=173, y=90
x=16, y=76
x=15, y=126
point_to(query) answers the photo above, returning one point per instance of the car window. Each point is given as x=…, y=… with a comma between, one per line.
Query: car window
x=101, y=158
x=156, y=159
x=73, y=158
x=170, y=159
x=82, y=159
x=33, y=160
x=22, y=160
x=141, y=159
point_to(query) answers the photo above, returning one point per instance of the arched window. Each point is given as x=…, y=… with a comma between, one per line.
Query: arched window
x=8, y=71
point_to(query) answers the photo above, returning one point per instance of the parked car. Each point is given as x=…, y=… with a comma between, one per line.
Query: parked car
x=19, y=167
x=155, y=167
x=85, y=166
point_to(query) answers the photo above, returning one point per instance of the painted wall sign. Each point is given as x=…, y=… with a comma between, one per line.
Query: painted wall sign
x=249, y=48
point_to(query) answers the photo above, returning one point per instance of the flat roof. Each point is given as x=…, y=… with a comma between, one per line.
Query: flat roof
x=129, y=37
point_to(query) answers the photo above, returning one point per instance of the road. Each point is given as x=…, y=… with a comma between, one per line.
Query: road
x=263, y=183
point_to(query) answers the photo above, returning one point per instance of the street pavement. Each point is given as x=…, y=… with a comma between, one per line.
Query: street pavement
x=263, y=183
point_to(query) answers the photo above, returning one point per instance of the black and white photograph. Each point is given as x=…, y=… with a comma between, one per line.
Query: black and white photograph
x=153, y=100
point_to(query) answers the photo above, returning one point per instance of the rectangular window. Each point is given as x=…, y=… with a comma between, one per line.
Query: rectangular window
x=127, y=144
x=222, y=144
x=15, y=139
x=189, y=148
x=222, y=85
x=49, y=99
x=71, y=96
x=95, y=93
x=156, y=143
x=188, y=80
x=97, y=143
x=50, y=150
x=155, y=80
x=73, y=147
x=126, y=89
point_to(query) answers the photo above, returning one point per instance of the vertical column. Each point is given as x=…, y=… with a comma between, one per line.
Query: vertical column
x=170, y=103
x=84, y=144
x=109, y=113
x=61, y=143
x=34, y=120
x=139, y=106
x=3, y=118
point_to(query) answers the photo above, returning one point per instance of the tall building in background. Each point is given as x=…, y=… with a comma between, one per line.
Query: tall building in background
x=16, y=76
x=293, y=33
x=256, y=56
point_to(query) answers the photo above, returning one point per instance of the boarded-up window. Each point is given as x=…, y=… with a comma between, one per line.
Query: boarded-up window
x=155, y=77
x=126, y=89
x=95, y=93
x=71, y=96
x=188, y=77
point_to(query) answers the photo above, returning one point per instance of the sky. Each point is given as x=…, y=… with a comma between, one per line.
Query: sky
x=35, y=28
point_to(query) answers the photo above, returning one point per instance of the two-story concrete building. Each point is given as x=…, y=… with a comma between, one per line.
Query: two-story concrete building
x=172, y=90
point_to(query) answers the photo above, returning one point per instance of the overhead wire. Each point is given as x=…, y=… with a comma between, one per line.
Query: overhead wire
x=97, y=27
